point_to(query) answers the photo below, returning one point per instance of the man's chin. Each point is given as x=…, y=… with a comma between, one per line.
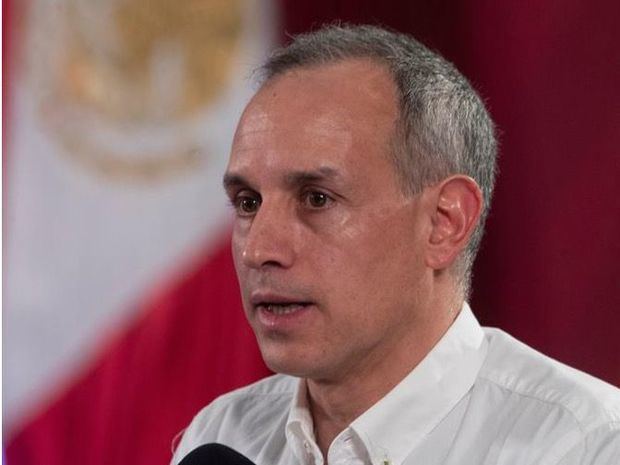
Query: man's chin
x=289, y=364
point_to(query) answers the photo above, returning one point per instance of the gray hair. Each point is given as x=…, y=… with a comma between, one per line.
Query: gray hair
x=444, y=127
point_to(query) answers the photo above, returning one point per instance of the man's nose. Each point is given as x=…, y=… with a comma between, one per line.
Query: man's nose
x=271, y=238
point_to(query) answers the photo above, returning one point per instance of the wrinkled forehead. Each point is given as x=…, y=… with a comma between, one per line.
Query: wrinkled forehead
x=261, y=127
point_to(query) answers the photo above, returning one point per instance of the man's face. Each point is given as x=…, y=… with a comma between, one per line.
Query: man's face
x=326, y=246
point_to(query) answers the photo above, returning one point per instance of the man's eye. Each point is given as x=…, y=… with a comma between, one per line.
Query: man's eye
x=315, y=199
x=246, y=205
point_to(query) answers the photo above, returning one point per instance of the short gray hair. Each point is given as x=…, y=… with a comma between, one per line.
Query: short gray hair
x=444, y=127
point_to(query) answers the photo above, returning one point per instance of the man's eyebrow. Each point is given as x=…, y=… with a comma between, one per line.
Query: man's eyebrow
x=294, y=178
x=299, y=177
x=231, y=180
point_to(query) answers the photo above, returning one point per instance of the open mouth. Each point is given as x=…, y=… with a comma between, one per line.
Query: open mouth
x=281, y=308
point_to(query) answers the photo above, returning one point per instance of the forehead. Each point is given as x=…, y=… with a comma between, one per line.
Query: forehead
x=333, y=112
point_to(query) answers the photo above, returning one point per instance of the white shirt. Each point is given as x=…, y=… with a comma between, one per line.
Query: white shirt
x=480, y=397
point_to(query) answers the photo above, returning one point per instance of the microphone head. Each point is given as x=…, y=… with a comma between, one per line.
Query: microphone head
x=215, y=454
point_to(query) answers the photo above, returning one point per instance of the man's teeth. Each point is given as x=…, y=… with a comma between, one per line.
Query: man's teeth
x=282, y=309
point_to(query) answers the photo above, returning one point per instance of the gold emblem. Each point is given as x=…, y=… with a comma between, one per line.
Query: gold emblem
x=131, y=75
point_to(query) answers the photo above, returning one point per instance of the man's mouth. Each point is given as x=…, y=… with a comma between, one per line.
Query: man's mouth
x=274, y=309
x=281, y=308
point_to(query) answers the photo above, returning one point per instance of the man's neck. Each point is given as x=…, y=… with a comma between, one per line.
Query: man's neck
x=336, y=402
x=335, y=405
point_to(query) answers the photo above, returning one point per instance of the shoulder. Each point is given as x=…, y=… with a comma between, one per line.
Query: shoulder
x=524, y=371
x=241, y=416
x=261, y=399
x=545, y=403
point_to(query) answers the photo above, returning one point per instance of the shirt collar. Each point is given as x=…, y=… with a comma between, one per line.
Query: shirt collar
x=396, y=424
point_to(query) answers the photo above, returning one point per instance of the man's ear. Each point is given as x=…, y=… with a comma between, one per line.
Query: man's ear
x=457, y=208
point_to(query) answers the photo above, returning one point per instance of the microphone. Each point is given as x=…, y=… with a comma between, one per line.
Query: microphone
x=215, y=454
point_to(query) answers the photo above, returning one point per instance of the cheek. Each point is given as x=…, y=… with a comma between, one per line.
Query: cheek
x=237, y=243
x=374, y=239
x=375, y=258
x=237, y=246
x=236, y=249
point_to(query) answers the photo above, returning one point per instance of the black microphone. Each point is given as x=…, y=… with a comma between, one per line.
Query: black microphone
x=215, y=454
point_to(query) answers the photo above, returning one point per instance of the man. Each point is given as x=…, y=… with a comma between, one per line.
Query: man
x=361, y=173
